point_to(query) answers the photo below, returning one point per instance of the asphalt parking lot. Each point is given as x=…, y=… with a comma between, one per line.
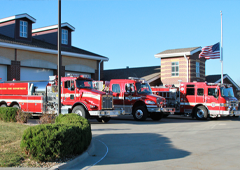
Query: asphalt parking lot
x=172, y=143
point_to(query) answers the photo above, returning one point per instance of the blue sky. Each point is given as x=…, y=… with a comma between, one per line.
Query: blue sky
x=131, y=32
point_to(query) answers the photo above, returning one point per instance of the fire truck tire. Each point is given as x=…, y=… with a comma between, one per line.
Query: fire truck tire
x=3, y=105
x=16, y=106
x=80, y=111
x=201, y=113
x=103, y=119
x=166, y=115
x=140, y=113
x=156, y=116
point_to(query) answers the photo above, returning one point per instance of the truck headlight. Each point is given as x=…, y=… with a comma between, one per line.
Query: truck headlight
x=149, y=102
x=224, y=104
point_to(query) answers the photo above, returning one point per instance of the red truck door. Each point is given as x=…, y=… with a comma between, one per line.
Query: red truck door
x=69, y=92
x=117, y=95
x=130, y=97
x=212, y=100
x=200, y=95
x=190, y=98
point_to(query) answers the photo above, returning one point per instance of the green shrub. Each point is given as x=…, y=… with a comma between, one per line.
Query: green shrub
x=66, y=137
x=8, y=114
x=77, y=120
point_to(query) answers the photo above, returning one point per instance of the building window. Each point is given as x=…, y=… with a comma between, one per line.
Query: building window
x=23, y=29
x=197, y=69
x=64, y=36
x=175, y=69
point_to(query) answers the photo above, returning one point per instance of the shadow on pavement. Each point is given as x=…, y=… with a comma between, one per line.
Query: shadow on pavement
x=138, y=147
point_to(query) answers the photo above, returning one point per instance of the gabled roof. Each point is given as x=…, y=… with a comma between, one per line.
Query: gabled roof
x=148, y=73
x=42, y=46
x=19, y=16
x=53, y=27
x=178, y=52
x=217, y=79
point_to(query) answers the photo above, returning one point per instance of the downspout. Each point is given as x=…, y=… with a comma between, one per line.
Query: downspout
x=99, y=69
x=187, y=66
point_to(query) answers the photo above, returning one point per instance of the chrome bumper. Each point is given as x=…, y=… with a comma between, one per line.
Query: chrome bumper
x=224, y=113
x=105, y=113
x=234, y=113
x=158, y=109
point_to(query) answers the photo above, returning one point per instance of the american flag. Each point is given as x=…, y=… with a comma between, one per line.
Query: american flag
x=210, y=52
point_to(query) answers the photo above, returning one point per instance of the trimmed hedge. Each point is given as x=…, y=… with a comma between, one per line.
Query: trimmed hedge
x=8, y=114
x=70, y=135
x=77, y=120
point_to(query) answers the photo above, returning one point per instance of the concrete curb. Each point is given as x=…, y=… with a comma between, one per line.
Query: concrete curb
x=83, y=156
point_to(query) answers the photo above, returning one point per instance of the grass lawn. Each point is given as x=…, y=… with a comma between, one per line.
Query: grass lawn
x=10, y=138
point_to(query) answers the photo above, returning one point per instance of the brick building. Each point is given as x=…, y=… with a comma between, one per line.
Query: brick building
x=31, y=54
x=181, y=65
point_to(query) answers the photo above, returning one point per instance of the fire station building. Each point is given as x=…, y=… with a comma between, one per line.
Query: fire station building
x=31, y=54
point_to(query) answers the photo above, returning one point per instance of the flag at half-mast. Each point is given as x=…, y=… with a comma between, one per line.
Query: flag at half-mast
x=211, y=52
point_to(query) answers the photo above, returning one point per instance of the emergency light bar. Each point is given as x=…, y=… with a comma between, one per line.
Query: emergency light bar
x=77, y=75
x=136, y=78
x=219, y=84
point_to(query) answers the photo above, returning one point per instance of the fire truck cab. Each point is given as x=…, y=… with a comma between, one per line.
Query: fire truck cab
x=135, y=97
x=203, y=100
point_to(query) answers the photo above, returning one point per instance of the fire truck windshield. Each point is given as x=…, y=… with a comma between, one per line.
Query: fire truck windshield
x=227, y=92
x=84, y=84
x=143, y=88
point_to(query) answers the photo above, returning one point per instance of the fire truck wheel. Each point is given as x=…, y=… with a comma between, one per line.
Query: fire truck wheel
x=140, y=113
x=103, y=119
x=80, y=111
x=166, y=115
x=201, y=113
x=3, y=105
x=156, y=116
x=16, y=106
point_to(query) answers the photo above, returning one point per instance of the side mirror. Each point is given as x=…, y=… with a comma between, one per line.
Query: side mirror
x=216, y=93
x=128, y=88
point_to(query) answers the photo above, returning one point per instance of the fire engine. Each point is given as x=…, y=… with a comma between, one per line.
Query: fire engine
x=77, y=96
x=135, y=97
x=201, y=100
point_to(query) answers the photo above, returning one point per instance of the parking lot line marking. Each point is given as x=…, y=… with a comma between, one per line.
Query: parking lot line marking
x=102, y=157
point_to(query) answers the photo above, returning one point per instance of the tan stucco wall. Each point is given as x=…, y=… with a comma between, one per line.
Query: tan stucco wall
x=7, y=53
x=73, y=60
x=66, y=60
x=26, y=55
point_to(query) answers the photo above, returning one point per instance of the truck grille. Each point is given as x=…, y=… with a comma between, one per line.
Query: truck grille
x=107, y=102
x=233, y=104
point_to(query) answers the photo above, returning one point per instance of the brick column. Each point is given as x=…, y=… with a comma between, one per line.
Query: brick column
x=13, y=71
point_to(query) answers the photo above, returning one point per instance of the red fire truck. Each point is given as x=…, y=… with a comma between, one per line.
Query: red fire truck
x=77, y=96
x=201, y=99
x=135, y=97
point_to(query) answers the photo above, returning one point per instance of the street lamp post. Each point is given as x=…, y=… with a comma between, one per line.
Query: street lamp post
x=59, y=57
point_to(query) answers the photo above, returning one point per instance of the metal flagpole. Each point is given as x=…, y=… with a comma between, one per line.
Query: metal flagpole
x=59, y=57
x=221, y=51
